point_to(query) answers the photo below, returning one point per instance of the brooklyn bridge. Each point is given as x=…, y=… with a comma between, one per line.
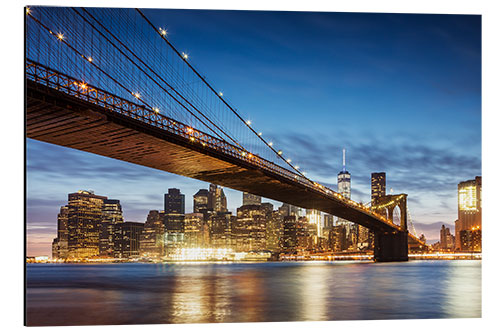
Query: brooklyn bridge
x=110, y=82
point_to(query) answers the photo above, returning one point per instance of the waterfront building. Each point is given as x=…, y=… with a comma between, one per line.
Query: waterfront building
x=195, y=230
x=377, y=185
x=469, y=209
x=220, y=202
x=221, y=230
x=365, y=238
x=200, y=201
x=251, y=199
x=60, y=244
x=290, y=232
x=470, y=240
x=446, y=239
x=249, y=231
x=314, y=218
x=152, y=242
x=344, y=188
x=274, y=231
x=337, y=238
x=85, y=210
x=111, y=215
x=288, y=210
x=126, y=239
x=174, y=218
x=328, y=221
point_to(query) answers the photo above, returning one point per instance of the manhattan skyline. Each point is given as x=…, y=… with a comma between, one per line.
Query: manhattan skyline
x=408, y=104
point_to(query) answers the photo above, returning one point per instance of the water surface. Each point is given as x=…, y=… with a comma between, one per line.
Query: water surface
x=135, y=293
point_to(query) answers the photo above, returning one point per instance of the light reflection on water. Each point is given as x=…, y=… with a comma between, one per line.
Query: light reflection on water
x=66, y=294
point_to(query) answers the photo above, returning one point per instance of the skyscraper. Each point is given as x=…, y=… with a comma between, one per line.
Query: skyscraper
x=344, y=187
x=378, y=185
x=174, y=218
x=251, y=199
x=200, y=201
x=152, y=242
x=194, y=230
x=126, y=239
x=469, y=209
x=220, y=202
x=60, y=244
x=446, y=239
x=85, y=211
x=249, y=231
x=344, y=179
x=111, y=215
x=221, y=228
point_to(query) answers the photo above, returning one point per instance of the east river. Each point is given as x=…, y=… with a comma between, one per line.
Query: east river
x=135, y=293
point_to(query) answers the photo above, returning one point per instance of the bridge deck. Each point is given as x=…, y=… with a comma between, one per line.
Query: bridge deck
x=55, y=117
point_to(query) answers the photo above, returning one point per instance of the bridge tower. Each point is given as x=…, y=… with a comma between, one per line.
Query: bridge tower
x=391, y=246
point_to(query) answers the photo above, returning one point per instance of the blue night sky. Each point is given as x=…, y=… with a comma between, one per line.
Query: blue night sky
x=402, y=93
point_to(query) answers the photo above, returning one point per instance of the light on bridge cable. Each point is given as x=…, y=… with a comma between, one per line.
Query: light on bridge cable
x=249, y=122
x=90, y=59
x=28, y=10
x=185, y=55
x=270, y=144
x=280, y=152
x=221, y=94
x=289, y=160
x=136, y=95
x=260, y=133
x=60, y=36
x=163, y=32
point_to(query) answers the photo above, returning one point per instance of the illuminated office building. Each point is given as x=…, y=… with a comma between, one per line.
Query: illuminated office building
x=314, y=218
x=337, y=239
x=60, y=244
x=249, y=230
x=200, y=201
x=220, y=202
x=344, y=188
x=85, y=211
x=152, y=242
x=174, y=218
x=126, y=239
x=274, y=231
x=469, y=210
x=221, y=230
x=251, y=199
x=378, y=185
x=195, y=230
x=111, y=215
x=470, y=240
x=290, y=233
x=446, y=239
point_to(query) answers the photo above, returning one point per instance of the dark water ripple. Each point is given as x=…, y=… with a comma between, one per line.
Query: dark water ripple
x=71, y=294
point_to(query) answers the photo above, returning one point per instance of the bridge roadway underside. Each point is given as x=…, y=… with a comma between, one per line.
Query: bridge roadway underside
x=58, y=118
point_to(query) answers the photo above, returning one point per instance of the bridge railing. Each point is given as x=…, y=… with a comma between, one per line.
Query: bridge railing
x=77, y=88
